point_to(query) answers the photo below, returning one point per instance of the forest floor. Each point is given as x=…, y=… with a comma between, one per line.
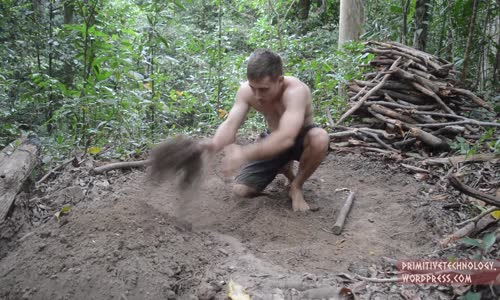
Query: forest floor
x=125, y=238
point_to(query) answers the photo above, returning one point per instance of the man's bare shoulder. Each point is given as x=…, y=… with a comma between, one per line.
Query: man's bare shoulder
x=295, y=87
x=294, y=82
x=244, y=92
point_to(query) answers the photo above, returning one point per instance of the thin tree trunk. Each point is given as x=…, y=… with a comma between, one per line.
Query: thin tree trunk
x=469, y=40
x=68, y=19
x=351, y=20
x=51, y=105
x=496, y=67
x=219, y=65
x=449, y=46
x=278, y=24
x=482, y=66
x=421, y=19
x=404, y=31
x=442, y=33
x=303, y=11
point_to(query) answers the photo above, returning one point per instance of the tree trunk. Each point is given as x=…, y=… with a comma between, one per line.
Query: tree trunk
x=16, y=164
x=496, y=67
x=404, y=30
x=351, y=20
x=469, y=40
x=68, y=76
x=303, y=11
x=421, y=20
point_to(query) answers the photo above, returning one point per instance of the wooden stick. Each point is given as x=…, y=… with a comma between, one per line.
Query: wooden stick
x=415, y=169
x=339, y=224
x=490, y=199
x=120, y=165
x=473, y=97
x=434, y=96
x=468, y=121
x=391, y=123
x=455, y=160
x=476, y=218
x=64, y=163
x=391, y=85
x=329, y=116
x=393, y=114
x=468, y=229
x=428, y=138
x=371, y=92
x=378, y=140
x=408, y=107
x=379, y=280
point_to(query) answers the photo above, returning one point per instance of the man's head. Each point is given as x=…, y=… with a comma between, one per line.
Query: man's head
x=265, y=74
x=263, y=63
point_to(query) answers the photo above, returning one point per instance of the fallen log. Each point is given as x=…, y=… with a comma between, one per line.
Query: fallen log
x=17, y=161
x=429, y=139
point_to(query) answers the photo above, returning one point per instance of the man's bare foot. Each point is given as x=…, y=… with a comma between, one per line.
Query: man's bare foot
x=298, y=202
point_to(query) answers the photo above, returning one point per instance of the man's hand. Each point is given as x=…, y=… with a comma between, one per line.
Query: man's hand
x=207, y=145
x=233, y=160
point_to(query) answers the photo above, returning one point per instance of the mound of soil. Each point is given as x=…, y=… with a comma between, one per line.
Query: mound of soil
x=122, y=239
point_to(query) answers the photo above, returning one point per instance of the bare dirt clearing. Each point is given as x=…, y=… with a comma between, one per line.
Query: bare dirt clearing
x=125, y=239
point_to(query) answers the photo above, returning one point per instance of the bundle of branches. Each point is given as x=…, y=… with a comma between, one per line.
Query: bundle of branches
x=412, y=100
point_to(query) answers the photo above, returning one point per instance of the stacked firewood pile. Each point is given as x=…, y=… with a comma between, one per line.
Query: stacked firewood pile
x=412, y=101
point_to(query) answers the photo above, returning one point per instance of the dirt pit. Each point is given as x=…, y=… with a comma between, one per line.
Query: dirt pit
x=127, y=239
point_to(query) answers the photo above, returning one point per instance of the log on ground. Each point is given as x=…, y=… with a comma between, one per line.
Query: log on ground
x=16, y=164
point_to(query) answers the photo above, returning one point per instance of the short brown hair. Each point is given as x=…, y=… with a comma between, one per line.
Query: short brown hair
x=262, y=63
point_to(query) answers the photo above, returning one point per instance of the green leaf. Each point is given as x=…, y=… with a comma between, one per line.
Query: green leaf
x=471, y=242
x=396, y=9
x=64, y=210
x=471, y=296
x=488, y=241
x=94, y=150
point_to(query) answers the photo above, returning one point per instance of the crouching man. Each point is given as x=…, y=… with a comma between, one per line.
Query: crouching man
x=286, y=104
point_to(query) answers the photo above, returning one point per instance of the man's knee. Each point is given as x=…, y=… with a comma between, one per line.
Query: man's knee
x=318, y=139
x=244, y=190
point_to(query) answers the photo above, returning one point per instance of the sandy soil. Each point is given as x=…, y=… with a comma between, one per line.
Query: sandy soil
x=125, y=238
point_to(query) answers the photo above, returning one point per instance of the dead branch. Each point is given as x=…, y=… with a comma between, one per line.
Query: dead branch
x=378, y=140
x=415, y=169
x=455, y=160
x=473, y=97
x=393, y=114
x=490, y=199
x=53, y=170
x=468, y=230
x=478, y=217
x=120, y=165
x=368, y=94
x=429, y=139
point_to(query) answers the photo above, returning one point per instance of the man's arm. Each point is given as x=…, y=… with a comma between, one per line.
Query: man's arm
x=289, y=127
x=226, y=133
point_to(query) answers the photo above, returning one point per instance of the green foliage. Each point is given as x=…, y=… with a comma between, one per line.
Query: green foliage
x=121, y=75
x=486, y=142
x=471, y=296
x=483, y=244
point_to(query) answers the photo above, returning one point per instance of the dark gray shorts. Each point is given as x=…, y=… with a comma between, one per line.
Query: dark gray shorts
x=259, y=174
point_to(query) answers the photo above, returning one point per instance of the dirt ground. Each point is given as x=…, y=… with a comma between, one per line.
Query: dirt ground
x=125, y=238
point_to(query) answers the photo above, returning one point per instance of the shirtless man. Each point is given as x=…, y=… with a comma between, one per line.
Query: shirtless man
x=286, y=104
